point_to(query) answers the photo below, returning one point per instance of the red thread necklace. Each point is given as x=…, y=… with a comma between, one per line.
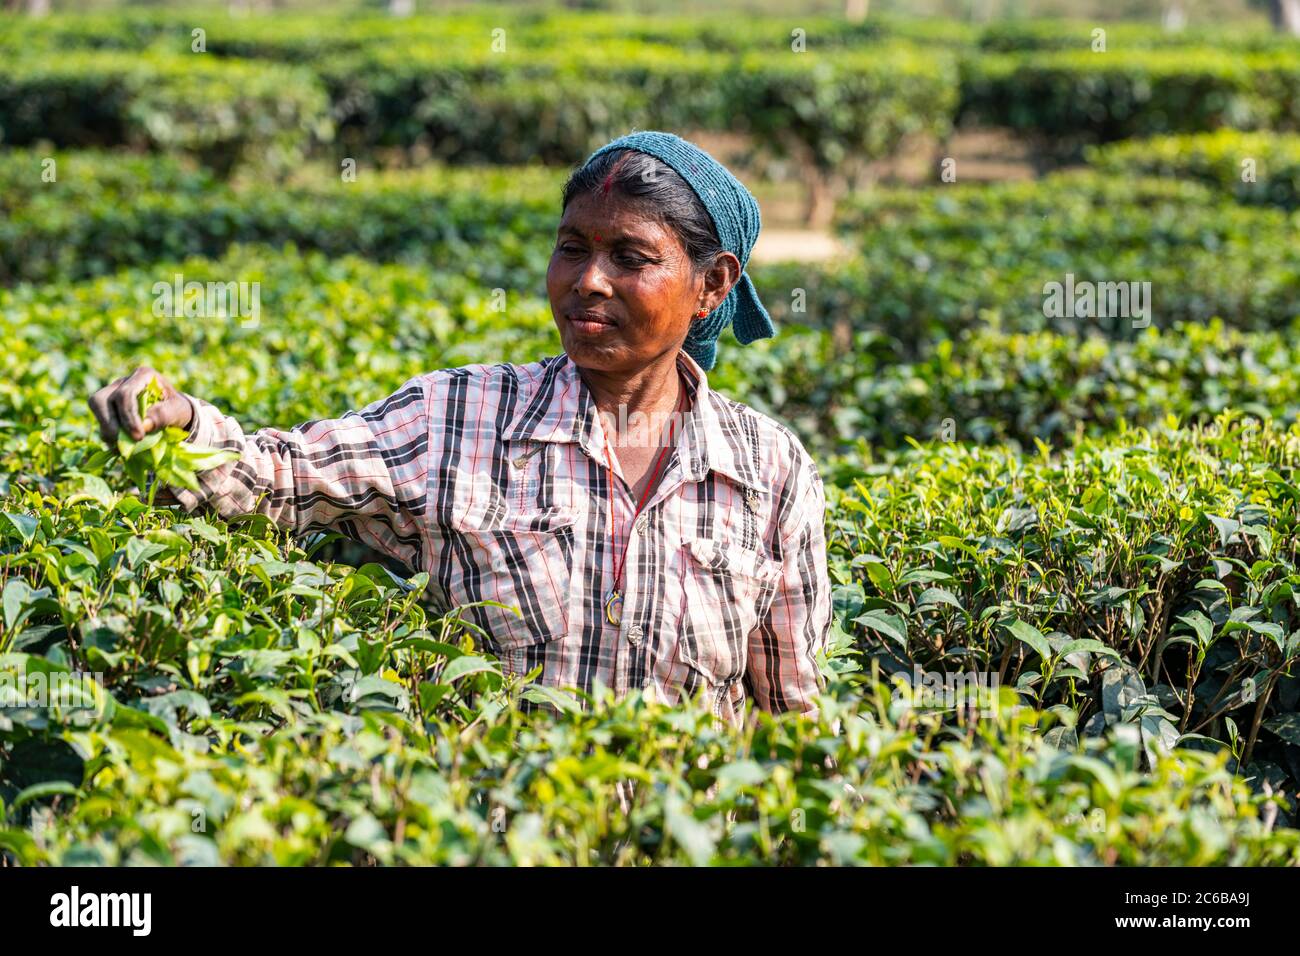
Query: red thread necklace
x=614, y=597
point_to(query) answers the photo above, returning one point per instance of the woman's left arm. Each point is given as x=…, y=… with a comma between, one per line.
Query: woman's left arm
x=783, y=671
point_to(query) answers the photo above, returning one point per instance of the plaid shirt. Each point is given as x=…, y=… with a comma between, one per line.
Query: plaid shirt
x=493, y=479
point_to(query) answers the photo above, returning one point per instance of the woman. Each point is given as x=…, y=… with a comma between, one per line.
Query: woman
x=683, y=559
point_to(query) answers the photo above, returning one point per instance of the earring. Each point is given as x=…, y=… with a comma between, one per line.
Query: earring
x=702, y=313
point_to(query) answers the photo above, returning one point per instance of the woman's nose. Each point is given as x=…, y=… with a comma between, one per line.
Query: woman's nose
x=593, y=276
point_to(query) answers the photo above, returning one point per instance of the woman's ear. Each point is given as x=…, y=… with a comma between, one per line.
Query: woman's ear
x=721, y=278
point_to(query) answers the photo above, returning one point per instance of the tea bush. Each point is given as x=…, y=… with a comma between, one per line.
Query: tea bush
x=303, y=38
x=935, y=262
x=1072, y=98
x=1254, y=168
x=468, y=103
x=108, y=210
x=375, y=786
x=1036, y=77
x=1016, y=389
x=1012, y=36
x=261, y=705
x=1169, y=553
x=329, y=335
x=474, y=105
x=223, y=114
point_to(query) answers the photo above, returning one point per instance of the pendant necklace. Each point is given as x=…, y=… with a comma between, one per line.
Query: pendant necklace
x=614, y=597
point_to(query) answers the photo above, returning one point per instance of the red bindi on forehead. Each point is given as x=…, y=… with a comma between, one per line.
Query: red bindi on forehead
x=613, y=170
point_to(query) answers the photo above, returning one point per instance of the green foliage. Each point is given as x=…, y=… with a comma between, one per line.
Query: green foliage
x=866, y=104
x=261, y=708
x=1254, y=168
x=955, y=255
x=221, y=113
x=1161, y=559
x=474, y=105
x=553, y=93
x=335, y=333
x=937, y=262
x=1073, y=98
x=108, y=210
x=1013, y=36
x=992, y=386
x=303, y=38
x=564, y=82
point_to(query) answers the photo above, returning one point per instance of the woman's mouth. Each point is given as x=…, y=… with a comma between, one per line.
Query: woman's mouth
x=591, y=323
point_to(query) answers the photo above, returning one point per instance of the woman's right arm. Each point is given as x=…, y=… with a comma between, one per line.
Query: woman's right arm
x=364, y=474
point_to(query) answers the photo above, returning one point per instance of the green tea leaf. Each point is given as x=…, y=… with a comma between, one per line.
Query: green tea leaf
x=890, y=625
x=1033, y=637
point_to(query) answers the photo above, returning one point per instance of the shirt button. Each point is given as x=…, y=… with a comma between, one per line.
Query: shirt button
x=642, y=523
x=634, y=634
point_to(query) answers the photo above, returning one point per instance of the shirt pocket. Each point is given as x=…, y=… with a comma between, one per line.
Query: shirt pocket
x=523, y=561
x=725, y=590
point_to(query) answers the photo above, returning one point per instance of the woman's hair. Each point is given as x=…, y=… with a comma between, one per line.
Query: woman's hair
x=655, y=186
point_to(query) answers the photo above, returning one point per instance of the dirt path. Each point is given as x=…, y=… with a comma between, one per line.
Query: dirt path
x=980, y=155
x=797, y=245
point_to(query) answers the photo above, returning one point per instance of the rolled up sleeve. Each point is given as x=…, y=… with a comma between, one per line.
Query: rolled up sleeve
x=364, y=474
x=783, y=670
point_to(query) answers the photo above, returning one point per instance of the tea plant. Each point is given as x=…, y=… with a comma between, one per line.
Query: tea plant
x=1161, y=559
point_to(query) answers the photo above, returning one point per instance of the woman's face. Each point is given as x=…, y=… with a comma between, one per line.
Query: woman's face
x=621, y=286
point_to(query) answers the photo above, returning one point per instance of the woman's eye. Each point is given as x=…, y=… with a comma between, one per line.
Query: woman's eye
x=631, y=260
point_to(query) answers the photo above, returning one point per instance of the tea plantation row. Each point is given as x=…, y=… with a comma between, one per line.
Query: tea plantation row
x=931, y=263
x=513, y=85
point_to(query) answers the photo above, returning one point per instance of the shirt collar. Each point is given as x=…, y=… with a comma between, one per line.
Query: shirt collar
x=562, y=409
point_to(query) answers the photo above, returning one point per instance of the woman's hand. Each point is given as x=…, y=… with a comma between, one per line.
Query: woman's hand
x=116, y=407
